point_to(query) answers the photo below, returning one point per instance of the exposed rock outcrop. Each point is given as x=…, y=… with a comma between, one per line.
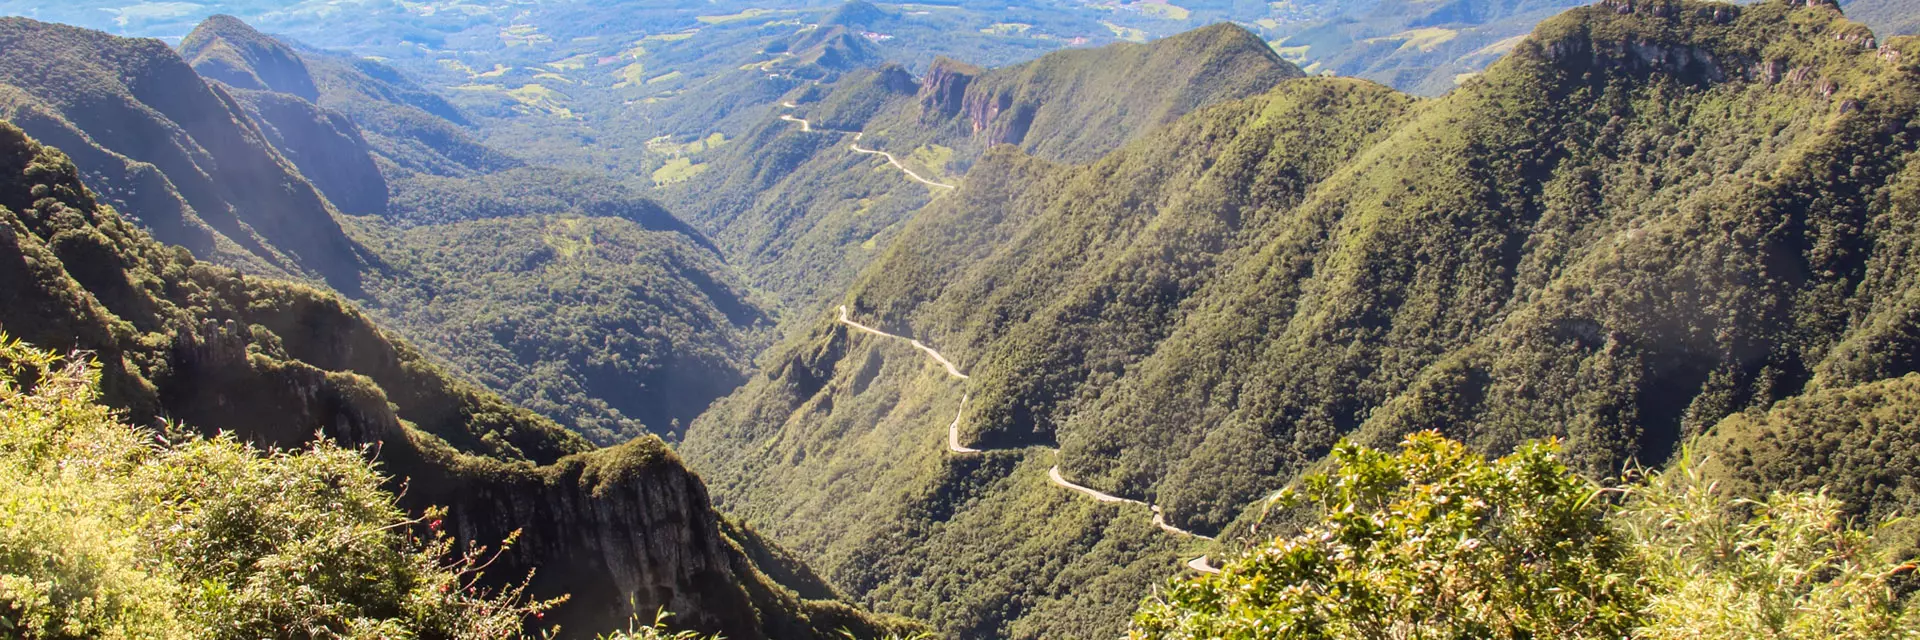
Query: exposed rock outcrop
x=1077, y=104
x=943, y=91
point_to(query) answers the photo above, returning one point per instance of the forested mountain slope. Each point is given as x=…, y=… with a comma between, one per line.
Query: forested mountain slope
x=801, y=214
x=593, y=305
x=1077, y=105
x=277, y=90
x=565, y=291
x=1647, y=218
x=625, y=529
x=180, y=154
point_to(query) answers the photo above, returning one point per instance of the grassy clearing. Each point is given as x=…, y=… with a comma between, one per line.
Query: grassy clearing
x=677, y=170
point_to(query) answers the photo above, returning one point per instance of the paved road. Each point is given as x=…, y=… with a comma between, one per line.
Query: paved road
x=953, y=430
x=1053, y=474
x=855, y=146
x=895, y=162
x=1201, y=565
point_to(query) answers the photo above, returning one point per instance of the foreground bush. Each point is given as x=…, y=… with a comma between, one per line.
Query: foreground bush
x=1437, y=542
x=109, y=531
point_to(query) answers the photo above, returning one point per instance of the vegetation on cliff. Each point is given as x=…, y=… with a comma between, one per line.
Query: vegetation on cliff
x=114, y=531
x=621, y=530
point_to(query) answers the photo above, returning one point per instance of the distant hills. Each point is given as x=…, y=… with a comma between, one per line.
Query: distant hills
x=801, y=215
x=176, y=152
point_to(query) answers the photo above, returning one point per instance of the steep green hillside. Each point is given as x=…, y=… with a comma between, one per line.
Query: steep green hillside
x=610, y=328
x=801, y=211
x=624, y=530
x=625, y=341
x=276, y=89
x=1652, y=215
x=221, y=189
x=1077, y=105
x=224, y=48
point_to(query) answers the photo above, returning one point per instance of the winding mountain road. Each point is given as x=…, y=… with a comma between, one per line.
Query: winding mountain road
x=896, y=163
x=1053, y=474
x=806, y=126
x=953, y=429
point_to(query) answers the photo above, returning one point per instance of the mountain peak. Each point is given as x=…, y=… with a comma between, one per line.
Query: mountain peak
x=1699, y=42
x=226, y=49
x=1076, y=104
x=857, y=13
x=1219, y=36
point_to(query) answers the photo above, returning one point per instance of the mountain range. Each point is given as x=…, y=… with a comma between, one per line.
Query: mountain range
x=802, y=332
x=1648, y=219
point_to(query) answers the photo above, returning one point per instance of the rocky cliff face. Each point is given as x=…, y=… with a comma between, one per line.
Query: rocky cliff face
x=984, y=108
x=625, y=530
x=1075, y=105
x=943, y=92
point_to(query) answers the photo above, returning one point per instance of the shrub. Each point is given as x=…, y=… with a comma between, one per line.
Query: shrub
x=1786, y=568
x=1432, y=542
x=1438, y=542
x=113, y=531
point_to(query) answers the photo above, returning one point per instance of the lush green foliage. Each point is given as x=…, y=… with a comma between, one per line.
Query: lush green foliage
x=1437, y=542
x=1606, y=238
x=106, y=534
x=613, y=330
x=1793, y=566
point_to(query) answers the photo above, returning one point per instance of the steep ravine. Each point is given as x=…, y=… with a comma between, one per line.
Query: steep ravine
x=624, y=531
